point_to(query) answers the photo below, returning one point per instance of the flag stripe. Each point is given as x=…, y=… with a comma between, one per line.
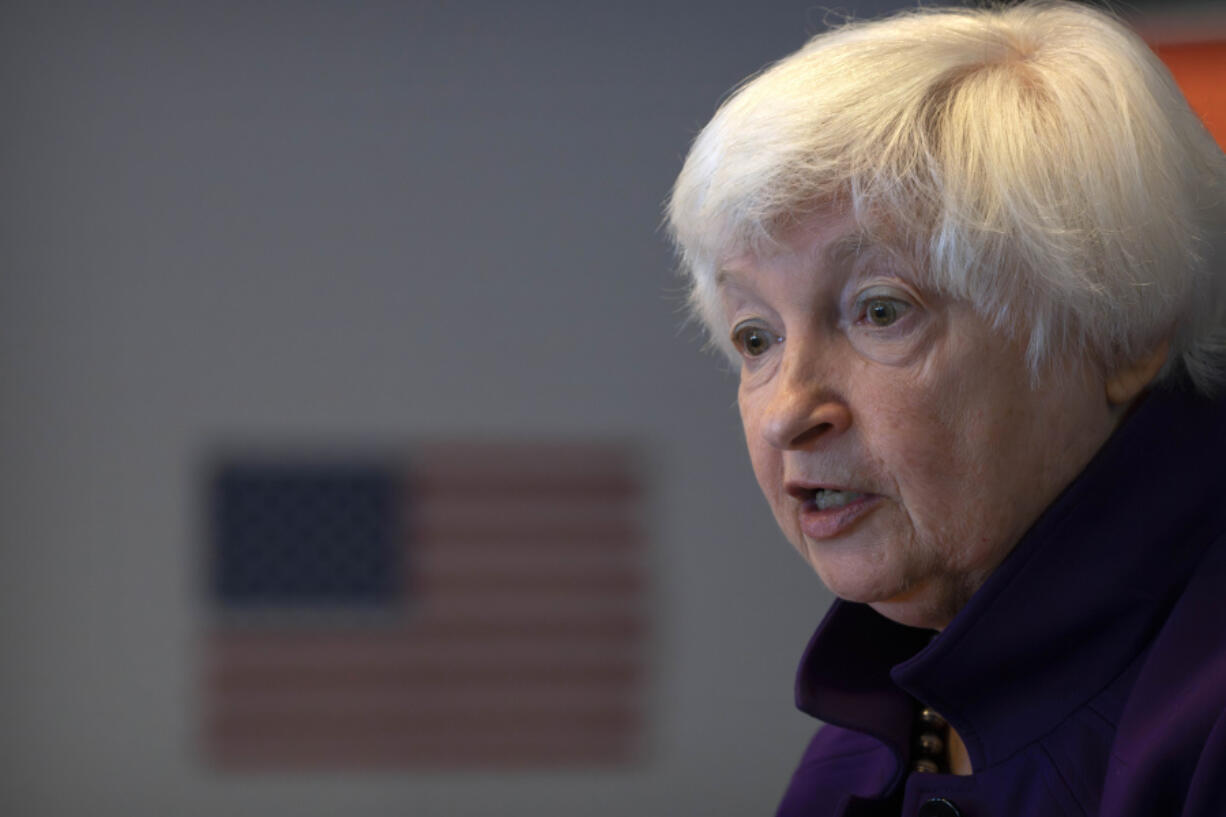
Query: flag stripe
x=419, y=720
x=298, y=684
x=556, y=533
x=491, y=750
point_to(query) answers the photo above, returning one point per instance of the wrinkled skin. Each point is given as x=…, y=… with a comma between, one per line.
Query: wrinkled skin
x=857, y=378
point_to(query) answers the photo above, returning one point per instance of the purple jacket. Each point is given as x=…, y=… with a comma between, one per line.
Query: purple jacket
x=1086, y=677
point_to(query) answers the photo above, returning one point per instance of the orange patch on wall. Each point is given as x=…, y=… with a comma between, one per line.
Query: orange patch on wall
x=1200, y=70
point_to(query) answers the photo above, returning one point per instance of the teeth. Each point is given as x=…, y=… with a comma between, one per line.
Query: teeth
x=825, y=500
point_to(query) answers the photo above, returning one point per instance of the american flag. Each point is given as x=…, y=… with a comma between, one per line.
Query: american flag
x=462, y=606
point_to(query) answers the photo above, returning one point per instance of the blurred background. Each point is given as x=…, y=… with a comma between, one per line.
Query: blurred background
x=371, y=235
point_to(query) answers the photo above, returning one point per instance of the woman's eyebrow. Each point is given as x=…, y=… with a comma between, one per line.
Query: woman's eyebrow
x=840, y=252
x=730, y=278
x=844, y=250
x=863, y=254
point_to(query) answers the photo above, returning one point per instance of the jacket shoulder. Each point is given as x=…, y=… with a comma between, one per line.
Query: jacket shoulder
x=1170, y=747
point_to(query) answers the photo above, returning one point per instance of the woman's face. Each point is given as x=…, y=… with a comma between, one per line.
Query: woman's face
x=896, y=436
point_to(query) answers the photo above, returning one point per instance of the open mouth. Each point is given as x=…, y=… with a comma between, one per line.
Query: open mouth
x=824, y=499
x=826, y=513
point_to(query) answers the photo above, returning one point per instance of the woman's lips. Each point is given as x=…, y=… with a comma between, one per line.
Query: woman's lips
x=832, y=522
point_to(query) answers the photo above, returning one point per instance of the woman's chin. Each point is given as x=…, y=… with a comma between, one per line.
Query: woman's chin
x=914, y=613
x=910, y=604
x=855, y=570
x=864, y=586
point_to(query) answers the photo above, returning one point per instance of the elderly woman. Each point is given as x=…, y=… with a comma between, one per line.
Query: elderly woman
x=965, y=263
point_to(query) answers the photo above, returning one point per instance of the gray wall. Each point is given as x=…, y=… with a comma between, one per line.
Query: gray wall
x=360, y=222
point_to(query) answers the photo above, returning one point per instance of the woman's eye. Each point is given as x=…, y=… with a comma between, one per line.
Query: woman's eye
x=883, y=312
x=752, y=341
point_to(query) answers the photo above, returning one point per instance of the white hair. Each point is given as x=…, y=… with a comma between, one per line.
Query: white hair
x=1036, y=160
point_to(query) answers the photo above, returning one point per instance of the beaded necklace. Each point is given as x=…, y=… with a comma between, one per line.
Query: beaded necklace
x=931, y=735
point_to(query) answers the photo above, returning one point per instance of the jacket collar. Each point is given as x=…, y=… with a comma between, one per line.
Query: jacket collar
x=1069, y=609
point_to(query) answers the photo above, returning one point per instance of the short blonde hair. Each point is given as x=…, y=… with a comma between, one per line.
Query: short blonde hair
x=1037, y=160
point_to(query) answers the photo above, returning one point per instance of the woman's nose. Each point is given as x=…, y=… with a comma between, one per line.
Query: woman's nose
x=802, y=411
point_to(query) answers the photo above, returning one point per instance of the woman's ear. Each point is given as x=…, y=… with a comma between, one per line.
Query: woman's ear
x=1128, y=380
